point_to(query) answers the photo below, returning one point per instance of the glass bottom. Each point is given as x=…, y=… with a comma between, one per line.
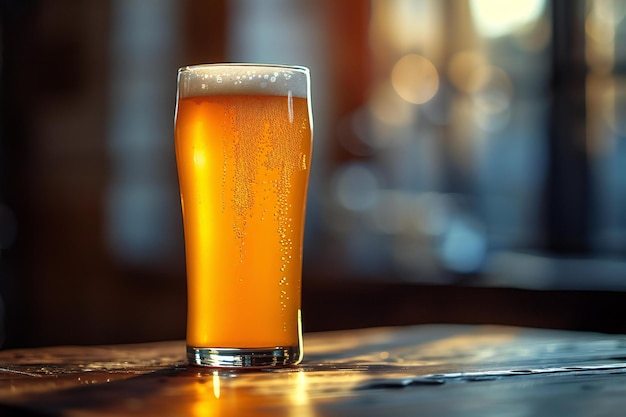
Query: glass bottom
x=244, y=358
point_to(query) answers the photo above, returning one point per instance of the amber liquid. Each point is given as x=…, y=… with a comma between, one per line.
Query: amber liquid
x=243, y=164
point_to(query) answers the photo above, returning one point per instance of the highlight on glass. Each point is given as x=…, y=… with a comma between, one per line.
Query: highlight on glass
x=243, y=136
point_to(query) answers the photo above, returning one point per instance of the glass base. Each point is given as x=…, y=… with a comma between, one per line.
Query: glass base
x=244, y=358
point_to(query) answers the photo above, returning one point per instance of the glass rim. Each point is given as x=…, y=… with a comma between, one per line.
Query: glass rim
x=288, y=67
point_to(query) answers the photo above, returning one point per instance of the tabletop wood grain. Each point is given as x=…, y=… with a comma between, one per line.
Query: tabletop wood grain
x=434, y=370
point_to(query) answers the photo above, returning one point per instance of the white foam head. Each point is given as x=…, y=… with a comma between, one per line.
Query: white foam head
x=229, y=79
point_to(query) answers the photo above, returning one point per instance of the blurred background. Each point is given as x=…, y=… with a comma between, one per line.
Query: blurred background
x=470, y=161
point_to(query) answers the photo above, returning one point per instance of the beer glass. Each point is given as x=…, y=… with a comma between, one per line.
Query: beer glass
x=243, y=150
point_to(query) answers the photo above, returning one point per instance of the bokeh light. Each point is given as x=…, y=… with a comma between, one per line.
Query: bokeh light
x=415, y=78
x=494, y=18
x=462, y=68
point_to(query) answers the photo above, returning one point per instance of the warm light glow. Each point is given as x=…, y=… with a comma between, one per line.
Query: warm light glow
x=603, y=18
x=486, y=343
x=495, y=18
x=300, y=399
x=206, y=402
x=415, y=79
x=403, y=25
x=199, y=158
x=216, y=384
x=601, y=24
x=300, y=395
x=599, y=32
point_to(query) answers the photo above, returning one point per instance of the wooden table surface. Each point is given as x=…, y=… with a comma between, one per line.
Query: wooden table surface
x=432, y=370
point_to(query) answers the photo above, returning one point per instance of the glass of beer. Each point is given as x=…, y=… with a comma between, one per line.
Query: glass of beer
x=243, y=135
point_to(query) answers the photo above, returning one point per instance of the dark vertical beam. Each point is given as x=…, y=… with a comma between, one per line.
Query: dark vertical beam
x=568, y=186
x=205, y=31
x=15, y=133
x=350, y=63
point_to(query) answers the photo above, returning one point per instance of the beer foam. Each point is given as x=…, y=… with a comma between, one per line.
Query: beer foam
x=228, y=79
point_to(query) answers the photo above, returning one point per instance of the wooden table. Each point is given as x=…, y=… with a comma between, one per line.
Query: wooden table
x=433, y=370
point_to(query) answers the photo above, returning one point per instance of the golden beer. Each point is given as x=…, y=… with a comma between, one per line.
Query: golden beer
x=243, y=151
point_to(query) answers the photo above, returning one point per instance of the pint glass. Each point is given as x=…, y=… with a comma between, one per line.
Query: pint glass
x=243, y=151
